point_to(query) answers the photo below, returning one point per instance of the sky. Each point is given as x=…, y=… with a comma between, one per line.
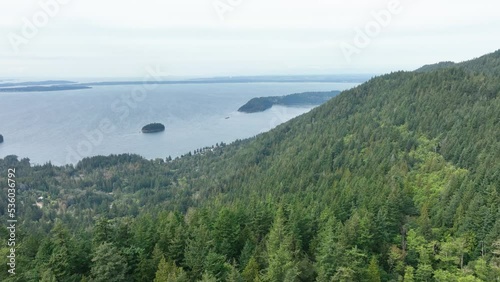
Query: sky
x=202, y=38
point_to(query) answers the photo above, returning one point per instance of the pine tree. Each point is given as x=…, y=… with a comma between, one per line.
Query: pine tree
x=327, y=251
x=251, y=271
x=226, y=233
x=215, y=265
x=48, y=276
x=373, y=273
x=246, y=253
x=60, y=259
x=108, y=264
x=169, y=272
x=208, y=278
x=102, y=231
x=233, y=274
x=282, y=265
x=197, y=249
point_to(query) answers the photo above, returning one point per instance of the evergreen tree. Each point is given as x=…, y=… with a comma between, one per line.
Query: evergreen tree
x=282, y=265
x=197, y=249
x=108, y=265
x=48, y=276
x=328, y=251
x=373, y=273
x=207, y=278
x=251, y=271
x=233, y=274
x=61, y=258
x=102, y=231
x=169, y=272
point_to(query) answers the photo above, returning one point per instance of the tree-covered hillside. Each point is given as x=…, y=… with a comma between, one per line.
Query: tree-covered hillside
x=488, y=64
x=397, y=179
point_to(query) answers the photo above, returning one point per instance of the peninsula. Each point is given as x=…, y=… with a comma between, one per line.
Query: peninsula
x=300, y=99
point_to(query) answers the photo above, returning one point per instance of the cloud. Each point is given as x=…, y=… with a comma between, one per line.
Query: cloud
x=120, y=37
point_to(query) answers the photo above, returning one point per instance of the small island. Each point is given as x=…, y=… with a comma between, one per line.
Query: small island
x=153, y=127
x=1, y=138
x=300, y=99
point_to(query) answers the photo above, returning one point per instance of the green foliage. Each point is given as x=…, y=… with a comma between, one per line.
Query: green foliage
x=251, y=271
x=373, y=272
x=409, y=274
x=282, y=265
x=108, y=264
x=395, y=179
x=329, y=251
x=169, y=272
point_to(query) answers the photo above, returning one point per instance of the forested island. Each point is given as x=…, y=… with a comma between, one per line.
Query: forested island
x=396, y=179
x=153, y=127
x=300, y=99
x=1, y=138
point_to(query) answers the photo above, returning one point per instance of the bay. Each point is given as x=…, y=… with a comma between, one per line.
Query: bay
x=65, y=126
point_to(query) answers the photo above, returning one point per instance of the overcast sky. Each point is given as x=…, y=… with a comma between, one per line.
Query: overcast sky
x=120, y=38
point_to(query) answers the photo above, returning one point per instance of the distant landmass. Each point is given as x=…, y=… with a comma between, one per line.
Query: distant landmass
x=1, y=138
x=36, y=83
x=300, y=99
x=153, y=127
x=247, y=79
x=44, y=88
x=396, y=179
x=58, y=85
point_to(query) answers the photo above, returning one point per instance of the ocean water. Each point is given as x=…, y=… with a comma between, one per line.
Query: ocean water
x=65, y=126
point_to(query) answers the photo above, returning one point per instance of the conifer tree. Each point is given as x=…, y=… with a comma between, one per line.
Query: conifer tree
x=373, y=273
x=326, y=259
x=108, y=264
x=282, y=264
x=251, y=271
x=169, y=272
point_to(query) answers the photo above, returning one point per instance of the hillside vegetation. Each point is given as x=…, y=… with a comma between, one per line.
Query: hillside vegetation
x=395, y=179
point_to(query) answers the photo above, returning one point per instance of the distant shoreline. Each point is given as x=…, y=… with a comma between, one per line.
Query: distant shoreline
x=299, y=79
x=60, y=85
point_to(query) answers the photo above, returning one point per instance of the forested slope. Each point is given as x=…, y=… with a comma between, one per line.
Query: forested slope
x=395, y=179
x=488, y=64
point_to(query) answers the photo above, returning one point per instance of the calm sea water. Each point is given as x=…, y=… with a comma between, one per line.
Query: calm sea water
x=65, y=126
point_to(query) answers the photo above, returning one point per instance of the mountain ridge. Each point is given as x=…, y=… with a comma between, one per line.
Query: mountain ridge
x=486, y=64
x=394, y=179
